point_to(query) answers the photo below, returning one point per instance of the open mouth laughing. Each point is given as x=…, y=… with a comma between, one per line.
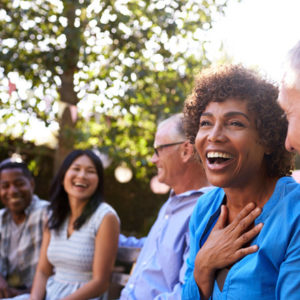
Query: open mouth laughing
x=216, y=157
x=15, y=200
x=80, y=184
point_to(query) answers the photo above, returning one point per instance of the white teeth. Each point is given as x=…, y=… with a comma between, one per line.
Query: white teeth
x=80, y=184
x=218, y=155
x=15, y=199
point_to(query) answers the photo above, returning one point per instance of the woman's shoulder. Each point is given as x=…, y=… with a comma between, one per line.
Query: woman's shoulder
x=105, y=208
x=212, y=197
x=288, y=188
x=208, y=203
x=285, y=200
x=102, y=210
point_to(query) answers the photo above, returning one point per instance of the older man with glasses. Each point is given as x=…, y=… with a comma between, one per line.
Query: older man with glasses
x=160, y=268
x=289, y=98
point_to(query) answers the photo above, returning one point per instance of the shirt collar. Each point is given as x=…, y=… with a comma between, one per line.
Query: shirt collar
x=191, y=192
x=30, y=206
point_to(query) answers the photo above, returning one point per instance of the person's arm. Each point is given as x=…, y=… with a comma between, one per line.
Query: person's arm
x=190, y=289
x=131, y=241
x=4, y=288
x=175, y=294
x=106, y=245
x=288, y=282
x=43, y=271
x=8, y=292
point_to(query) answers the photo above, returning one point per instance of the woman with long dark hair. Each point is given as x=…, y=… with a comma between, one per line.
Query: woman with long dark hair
x=81, y=239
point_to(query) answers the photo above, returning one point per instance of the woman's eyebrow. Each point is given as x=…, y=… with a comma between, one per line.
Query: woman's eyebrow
x=206, y=114
x=228, y=114
x=234, y=113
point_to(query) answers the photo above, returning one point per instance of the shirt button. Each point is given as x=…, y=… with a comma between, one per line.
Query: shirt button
x=166, y=216
x=144, y=263
x=131, y=286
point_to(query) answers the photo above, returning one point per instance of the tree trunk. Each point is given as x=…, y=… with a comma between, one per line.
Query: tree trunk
x=67, y=122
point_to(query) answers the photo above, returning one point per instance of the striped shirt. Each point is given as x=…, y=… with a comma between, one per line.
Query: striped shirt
x=20, y=274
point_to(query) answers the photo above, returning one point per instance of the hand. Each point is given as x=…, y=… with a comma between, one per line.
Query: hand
x=226, y=245
x=4, y=289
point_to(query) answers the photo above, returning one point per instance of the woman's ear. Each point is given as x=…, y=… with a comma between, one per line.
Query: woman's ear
x=268, y=151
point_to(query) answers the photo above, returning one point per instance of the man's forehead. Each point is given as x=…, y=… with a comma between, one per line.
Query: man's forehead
x=282, y=97
x=288, y=97
x=12, y=172
x=162, y=137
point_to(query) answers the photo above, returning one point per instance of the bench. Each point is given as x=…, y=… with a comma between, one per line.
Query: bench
x=125, y=262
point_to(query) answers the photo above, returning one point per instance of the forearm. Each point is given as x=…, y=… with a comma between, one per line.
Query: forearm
x=204, y=273
x=92, y=289
x=131, y=241
x=204, y=278
x=39, y=286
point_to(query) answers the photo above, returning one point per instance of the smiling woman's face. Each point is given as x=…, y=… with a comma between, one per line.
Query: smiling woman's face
x=81, y=179
x=228, y=144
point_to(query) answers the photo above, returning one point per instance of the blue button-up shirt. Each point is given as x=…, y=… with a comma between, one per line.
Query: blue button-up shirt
x=160, y=268
x=273, y=272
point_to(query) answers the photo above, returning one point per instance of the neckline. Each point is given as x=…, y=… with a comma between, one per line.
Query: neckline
x=66, y=224
x=265, y=212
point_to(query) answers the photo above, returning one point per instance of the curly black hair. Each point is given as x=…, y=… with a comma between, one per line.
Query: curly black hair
x=217, y=84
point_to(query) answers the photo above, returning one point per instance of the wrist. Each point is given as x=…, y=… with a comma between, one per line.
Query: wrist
x=203, y=270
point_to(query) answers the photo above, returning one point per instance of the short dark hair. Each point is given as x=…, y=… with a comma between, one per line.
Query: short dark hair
x=16, y=165
x=235, y=81
x=59, y=204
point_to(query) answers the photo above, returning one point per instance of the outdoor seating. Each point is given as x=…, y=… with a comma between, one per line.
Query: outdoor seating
x=126, y=258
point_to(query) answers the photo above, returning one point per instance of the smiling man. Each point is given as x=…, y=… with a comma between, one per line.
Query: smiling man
x=21, y=226
x=160, y=268
x=289, y=98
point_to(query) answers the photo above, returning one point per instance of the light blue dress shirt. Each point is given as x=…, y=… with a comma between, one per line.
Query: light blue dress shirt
x=273, y=272
x=160, y=268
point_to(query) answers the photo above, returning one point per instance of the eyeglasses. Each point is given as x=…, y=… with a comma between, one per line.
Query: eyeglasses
x=166, y=145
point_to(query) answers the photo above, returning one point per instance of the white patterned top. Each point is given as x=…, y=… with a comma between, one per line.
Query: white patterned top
x=72, y=257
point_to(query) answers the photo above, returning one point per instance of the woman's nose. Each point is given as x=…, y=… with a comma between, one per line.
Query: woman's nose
x=81, y=173
x=216, y=134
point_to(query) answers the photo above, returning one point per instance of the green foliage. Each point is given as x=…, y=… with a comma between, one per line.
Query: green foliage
x=125, y=63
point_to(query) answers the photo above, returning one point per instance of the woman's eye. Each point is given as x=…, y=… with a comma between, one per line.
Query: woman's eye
x=204, y=123
x=237, y=124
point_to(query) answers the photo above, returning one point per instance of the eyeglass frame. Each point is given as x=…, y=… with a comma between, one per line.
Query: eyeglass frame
x=166, y=145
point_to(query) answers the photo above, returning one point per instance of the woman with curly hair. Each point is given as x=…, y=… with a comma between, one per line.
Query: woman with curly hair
x=245, y=234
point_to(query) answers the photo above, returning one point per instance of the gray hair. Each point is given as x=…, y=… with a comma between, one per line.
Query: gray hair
x=291, y=77
x=178, y=130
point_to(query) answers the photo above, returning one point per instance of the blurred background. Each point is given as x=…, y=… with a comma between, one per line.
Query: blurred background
x=101, y=75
